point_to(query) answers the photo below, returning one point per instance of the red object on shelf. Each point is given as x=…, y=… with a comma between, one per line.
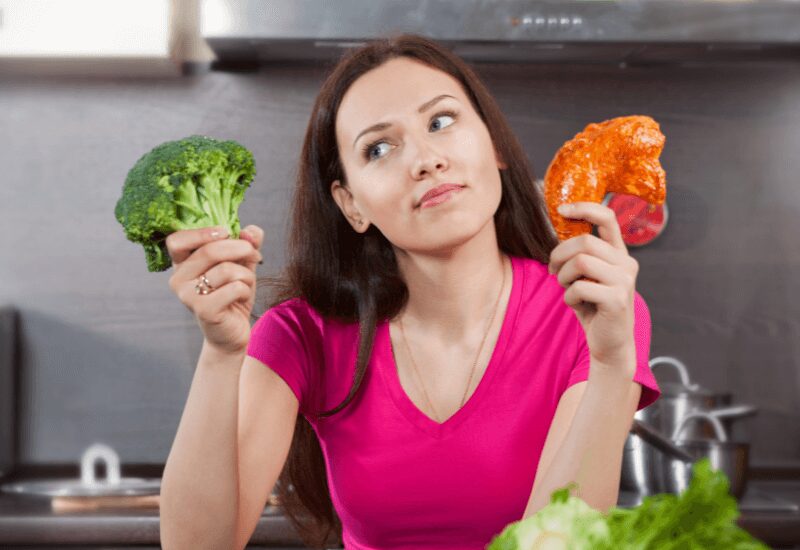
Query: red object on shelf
x=639, y=221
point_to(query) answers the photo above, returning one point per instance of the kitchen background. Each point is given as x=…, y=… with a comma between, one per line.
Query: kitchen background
x=107, y=352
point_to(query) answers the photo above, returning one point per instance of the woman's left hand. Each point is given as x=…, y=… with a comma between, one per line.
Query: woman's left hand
x=604, y=306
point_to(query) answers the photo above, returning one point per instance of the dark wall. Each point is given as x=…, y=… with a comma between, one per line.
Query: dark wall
x=108, y=351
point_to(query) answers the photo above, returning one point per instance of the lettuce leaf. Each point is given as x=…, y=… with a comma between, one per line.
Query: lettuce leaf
x=703, y=517
x=566, y=522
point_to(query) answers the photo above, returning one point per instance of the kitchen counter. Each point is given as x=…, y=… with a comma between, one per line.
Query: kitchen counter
x=777, y=529
x=26, y=520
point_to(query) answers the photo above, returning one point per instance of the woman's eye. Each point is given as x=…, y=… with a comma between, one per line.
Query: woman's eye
x=445, y=115
x=370, y=147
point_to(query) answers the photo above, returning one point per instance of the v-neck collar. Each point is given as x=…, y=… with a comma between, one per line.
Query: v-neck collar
x=391, y=378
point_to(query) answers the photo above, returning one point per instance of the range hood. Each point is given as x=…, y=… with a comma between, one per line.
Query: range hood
x=253, y=32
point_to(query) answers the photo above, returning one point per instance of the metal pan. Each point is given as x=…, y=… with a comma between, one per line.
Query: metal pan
x=729, y=457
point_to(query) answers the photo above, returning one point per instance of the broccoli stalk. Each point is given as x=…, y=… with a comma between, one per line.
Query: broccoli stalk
x=185, y=184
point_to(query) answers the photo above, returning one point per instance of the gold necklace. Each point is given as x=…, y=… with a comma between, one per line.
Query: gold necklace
x=474, y=363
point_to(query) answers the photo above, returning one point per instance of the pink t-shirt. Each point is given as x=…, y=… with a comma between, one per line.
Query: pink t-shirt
x=400, y=480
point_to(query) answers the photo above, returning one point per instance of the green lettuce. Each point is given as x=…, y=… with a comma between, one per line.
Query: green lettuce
x=703, y=517
x=566, y=522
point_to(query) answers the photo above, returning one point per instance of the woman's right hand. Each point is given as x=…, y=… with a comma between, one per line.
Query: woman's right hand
x=230, y=268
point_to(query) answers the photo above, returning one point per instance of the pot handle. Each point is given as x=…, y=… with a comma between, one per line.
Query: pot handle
x=654, y=437
x=718, y=428
x=733, y=412
x=679, y=366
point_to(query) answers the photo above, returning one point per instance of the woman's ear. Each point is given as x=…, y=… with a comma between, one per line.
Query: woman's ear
x=344, y=199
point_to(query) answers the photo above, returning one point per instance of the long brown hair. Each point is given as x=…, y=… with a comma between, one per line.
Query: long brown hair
x=326, y=258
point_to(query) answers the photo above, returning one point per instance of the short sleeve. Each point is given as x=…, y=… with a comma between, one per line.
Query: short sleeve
x=284, y=338
x=644, y=376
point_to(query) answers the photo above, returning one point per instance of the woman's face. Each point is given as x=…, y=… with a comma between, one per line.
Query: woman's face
x=427, y=140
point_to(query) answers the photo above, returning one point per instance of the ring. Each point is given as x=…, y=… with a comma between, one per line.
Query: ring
x=203, y=287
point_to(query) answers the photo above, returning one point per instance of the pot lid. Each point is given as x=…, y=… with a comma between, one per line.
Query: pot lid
x=77, y=488
x=88, y=485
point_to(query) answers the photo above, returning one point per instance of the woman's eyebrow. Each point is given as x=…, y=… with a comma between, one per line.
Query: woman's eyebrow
x=383, y=125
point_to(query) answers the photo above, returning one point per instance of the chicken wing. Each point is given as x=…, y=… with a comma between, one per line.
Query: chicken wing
x=618, y=156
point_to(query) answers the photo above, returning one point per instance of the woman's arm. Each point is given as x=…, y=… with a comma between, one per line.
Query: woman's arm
x=600, y=281
x=587, y=438
x=199, y=488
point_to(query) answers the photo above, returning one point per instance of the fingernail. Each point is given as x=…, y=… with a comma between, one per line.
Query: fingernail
x=565, y=209
x=218, y=233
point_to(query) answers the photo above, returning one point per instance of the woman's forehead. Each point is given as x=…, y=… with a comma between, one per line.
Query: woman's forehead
x=395, y=89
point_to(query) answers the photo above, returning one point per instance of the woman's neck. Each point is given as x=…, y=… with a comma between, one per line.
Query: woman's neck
x=451, y=299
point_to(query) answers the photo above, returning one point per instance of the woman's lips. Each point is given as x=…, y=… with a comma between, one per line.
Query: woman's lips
x=438, y=191
x=440, y=198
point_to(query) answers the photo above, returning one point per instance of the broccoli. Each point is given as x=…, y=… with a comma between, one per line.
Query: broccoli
x=184, y=184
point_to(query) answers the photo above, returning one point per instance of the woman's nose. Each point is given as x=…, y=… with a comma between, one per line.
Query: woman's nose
x=427, y=159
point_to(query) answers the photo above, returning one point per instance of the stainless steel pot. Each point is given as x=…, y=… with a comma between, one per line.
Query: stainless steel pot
x=730, y=457
x=678, y=399
x=643, y=463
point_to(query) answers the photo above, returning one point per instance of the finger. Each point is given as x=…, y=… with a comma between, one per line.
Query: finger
x=227, y=272
x=588, y=244
x=255, y=236
x=600, y=295
x=211, y=307
x=586, y=265
x=217, y=277
x=598, y=214
x=181, y=244
x=211, y=254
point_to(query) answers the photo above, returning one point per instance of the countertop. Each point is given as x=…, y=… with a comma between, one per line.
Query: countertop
x=27, y=520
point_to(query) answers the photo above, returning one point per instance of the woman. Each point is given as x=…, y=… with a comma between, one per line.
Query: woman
x=449, y=365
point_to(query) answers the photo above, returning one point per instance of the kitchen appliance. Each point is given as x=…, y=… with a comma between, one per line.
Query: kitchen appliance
x=627, y=32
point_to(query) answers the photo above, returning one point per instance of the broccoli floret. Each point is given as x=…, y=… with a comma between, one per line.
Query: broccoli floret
x=184, y=184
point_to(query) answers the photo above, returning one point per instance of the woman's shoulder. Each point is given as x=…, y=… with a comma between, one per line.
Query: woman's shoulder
x=294, y=314
x=298, y=312
x=296, y=305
